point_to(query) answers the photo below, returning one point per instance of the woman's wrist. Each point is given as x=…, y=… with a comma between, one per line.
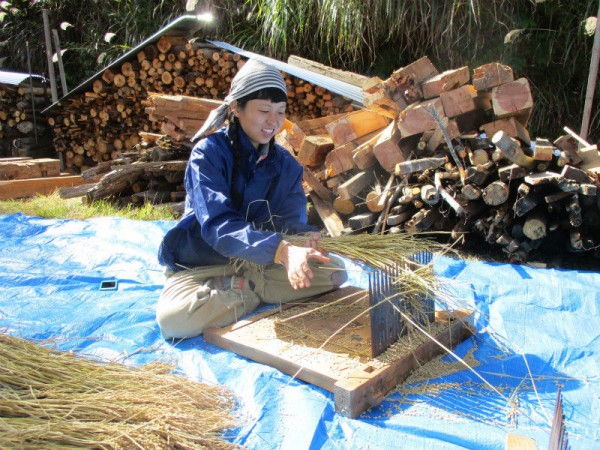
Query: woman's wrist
x=281, y=252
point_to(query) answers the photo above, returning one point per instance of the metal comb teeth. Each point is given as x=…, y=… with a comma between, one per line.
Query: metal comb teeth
x=386, y=302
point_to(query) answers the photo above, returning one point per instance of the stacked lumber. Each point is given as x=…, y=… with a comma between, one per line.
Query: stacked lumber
x=180, y=116
x=152, y=172
x=105, y=120
x=431, y=151
x=450, y=152
x=23, y=131
x=25, y=167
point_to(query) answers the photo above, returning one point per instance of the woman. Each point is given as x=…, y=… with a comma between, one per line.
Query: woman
x=244, y=192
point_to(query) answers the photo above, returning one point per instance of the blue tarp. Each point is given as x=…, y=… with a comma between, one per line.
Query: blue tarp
x=537, y=329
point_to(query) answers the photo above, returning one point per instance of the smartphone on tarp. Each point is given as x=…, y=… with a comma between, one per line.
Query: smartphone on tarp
x=109, y=285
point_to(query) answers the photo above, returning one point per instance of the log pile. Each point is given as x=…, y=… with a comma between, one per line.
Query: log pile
x=180, y=116
x=450, y=152
x=104, y=121
x=152, y=173
x=446, y=152
x=23, y=130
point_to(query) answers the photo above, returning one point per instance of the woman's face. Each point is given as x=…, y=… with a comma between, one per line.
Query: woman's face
x=260, y=119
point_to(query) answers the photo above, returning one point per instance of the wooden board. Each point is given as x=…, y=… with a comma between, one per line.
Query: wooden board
x=11, y=169
x=37, y=186
x=321, y=69
x=332, y=221
x=355, y=125
x=333, y=351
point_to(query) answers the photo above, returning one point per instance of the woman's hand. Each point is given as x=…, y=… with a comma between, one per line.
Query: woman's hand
x=312, y=237
x=295, y=259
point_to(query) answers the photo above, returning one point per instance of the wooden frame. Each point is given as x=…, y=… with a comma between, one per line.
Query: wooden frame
x=356, y=386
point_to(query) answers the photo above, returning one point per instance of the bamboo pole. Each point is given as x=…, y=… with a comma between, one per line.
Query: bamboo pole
x=591, y=84
x=49, y=55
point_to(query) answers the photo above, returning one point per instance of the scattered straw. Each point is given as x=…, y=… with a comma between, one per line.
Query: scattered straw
x=438, y=368
x=51, y=399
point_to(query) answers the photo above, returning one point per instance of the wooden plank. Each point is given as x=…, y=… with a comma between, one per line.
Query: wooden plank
x=416, y=118
x=368, y=386
x=355, y=125
x=459, y=101
x=29, y=168
x=299, y=130
x=16, y=159
x=362, y=155
x=445, y=81
x=513, y=99
x=37, y=186
x=510, y=126
x=404, y=84
x=340, y=159
x=418, y=165
x=314, y=149
x=491, y=75
x=361, y=221
x=337, y=74
x=387, y=149
x=543, y=150
x=332, y=221
x=355, y=185
x=175, y=102
x=315, y=184
x=590, y=159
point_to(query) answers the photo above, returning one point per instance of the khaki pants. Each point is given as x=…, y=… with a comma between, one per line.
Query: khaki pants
x=190, y=301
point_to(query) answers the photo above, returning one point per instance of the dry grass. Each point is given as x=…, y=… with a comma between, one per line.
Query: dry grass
x=51, y=399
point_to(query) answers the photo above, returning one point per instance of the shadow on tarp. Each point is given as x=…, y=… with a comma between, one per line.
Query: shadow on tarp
x=50, y=272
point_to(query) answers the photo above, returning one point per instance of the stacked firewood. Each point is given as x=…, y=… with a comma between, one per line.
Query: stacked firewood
x=152, y=172
x=447, y=152
x=180, y=116
x=102, y=122
x=23, y=130
x=430, y=152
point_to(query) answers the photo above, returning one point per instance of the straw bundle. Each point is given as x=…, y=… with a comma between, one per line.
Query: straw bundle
x=376, y=250
x=51, y=399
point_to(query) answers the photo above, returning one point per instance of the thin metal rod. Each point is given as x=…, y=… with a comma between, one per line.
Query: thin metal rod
x=61, y=69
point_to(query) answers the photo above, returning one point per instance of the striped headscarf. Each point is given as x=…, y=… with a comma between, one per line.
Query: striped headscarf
x=253, y=76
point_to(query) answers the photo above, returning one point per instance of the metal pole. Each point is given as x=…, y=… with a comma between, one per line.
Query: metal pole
x=591, y=83
x=49, y=56
x=61, y=68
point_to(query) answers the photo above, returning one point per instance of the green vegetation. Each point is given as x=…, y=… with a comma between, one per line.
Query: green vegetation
x=547, y=41
x=54, y=207
x=543, y=40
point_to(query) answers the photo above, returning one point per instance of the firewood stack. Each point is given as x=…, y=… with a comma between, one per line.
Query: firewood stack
x=445, y=152
x=23, y=130
x=152, y=173
x=180, y=116
x=102, y=122
x=430, y=152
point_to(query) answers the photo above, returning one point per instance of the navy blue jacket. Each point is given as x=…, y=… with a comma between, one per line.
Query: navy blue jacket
x=221, y=222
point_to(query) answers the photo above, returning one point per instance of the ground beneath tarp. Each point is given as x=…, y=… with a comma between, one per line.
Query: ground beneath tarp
x=538, y=329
